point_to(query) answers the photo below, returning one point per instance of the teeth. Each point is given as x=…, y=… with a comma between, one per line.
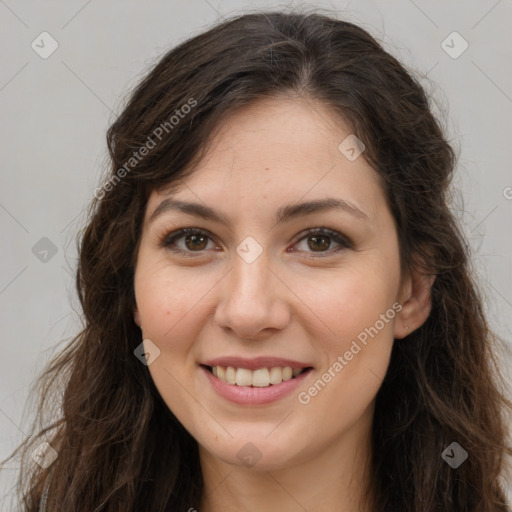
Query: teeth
x=243, y=377
x=260, y=378
x=230, y=375
x=276, y=375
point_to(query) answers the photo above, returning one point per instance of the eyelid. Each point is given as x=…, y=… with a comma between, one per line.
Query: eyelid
x=344, y=242
x=322, y=230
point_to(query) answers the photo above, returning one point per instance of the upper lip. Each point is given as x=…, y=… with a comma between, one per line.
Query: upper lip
x=255, y=363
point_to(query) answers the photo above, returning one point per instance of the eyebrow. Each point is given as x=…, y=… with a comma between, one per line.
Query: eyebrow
x=284, y=214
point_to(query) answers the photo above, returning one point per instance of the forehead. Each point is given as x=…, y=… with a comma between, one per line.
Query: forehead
x=279, y=151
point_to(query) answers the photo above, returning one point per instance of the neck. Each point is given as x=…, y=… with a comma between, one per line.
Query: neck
x=336, y=479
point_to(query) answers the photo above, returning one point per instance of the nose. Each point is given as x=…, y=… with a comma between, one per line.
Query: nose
x=253, y=301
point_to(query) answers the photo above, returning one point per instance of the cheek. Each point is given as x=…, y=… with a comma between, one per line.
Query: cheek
x=360, y=303
x=170, y=307
x=173, y=307
x=358, y=307
x=359, y=313
x=351, y=299
x=165, y=296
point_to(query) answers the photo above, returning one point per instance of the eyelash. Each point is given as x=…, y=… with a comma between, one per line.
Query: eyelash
x=169, y=239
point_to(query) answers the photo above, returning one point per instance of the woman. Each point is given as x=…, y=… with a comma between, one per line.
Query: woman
x=279, y=311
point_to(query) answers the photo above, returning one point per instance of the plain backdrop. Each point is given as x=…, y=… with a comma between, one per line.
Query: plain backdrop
x=55, y=112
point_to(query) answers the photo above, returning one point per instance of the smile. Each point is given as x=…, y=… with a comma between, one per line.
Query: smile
x=256, y=387
x=261, y=377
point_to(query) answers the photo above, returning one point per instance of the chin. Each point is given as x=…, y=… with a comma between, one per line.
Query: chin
x=257, y=452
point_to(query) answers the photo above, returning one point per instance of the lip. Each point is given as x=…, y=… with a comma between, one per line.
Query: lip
x=245, y=395
x=255, y=363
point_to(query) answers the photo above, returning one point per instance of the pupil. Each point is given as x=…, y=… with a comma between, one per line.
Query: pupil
x=320, y=237
x=195, y=239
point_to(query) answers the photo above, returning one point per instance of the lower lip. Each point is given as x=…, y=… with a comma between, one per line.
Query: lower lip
x=245, y=395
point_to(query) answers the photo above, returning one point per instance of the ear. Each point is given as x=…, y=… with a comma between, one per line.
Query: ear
x=136, y=316
x=416, y=303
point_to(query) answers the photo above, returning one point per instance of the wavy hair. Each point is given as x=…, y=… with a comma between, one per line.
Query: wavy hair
x=119, y=446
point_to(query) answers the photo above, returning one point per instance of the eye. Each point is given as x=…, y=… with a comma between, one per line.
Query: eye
x=318, y=239
x=196, y=241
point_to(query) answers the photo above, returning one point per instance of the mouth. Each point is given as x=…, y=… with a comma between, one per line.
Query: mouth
x=259, y=378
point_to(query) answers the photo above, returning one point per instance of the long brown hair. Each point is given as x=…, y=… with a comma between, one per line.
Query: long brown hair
x=119, y=446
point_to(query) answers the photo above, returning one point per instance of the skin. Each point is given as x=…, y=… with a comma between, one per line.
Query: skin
x=286, y=303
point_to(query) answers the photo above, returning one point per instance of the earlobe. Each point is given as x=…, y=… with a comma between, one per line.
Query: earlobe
x=416, y=306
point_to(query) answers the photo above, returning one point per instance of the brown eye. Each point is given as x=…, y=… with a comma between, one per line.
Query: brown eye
x=194, y=241
x=319, y=241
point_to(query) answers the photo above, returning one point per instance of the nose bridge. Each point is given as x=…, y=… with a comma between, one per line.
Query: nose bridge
x=250, y=301
x=250, y=275
x=250, y=272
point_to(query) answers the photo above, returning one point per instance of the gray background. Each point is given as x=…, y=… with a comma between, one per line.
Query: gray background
x=55, y=112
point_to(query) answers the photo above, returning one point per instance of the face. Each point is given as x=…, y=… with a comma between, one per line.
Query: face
x=263, y=287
